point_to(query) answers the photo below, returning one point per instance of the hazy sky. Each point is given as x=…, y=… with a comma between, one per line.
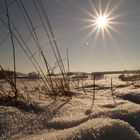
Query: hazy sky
x=72, y=25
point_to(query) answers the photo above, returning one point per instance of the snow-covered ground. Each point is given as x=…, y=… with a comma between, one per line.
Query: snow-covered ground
x=77, y=117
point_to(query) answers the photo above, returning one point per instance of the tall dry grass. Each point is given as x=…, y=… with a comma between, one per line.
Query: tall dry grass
x=59, y=84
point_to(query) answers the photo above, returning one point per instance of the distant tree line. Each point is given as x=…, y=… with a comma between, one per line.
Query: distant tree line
x=5, y=73
x=129, y=78
x=33, y=75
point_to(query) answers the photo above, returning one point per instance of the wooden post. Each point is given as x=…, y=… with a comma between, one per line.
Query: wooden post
x=111, y=88
x=93, y=98
x=94, y=88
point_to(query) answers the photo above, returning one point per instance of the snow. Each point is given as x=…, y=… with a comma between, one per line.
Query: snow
x=96, y=129
x=66, y=119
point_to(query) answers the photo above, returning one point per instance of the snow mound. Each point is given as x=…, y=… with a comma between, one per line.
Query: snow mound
x=95, y=129
x=128, y=112
x=17, y=123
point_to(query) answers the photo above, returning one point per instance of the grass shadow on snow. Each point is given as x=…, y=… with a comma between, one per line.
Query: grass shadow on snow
x=17, y=118
x=133, y=97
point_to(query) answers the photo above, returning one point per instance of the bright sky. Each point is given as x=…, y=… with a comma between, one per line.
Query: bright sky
x=115, y=48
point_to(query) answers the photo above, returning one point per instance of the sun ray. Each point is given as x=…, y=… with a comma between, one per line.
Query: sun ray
x=100, y=8
x=107, y=7
x=109, y=35
x=96, y=36
x=113, y=29
x=94, y=9
x=86, y=27
x=103, y=35
x=90, y=34
x=115, y=7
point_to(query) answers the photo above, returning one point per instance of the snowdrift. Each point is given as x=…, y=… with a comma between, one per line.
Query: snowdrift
x=95, y=129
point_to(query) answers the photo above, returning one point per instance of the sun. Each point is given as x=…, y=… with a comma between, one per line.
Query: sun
x=102, y=22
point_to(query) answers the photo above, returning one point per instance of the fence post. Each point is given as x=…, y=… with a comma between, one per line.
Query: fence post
x=111, y=88
x=93, y=91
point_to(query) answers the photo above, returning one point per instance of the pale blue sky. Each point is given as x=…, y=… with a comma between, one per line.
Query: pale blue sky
x=68, y=19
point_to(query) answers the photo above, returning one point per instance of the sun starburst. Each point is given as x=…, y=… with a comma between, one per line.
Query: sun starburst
x=103, y=20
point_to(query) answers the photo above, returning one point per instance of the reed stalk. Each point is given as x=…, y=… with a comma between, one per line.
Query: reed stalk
x=13, y=46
